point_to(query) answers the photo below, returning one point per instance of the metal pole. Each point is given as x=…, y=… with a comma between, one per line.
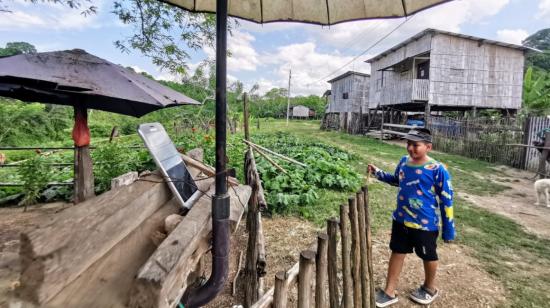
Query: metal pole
x=220, y=201
x=288, y=96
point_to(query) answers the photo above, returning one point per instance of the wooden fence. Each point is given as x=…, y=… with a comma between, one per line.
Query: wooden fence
x=533, y=126
x=316, y=274
x=480, y=139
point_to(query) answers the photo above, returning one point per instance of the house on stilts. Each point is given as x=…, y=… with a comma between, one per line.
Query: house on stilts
x=347, y=102
x=443, y=71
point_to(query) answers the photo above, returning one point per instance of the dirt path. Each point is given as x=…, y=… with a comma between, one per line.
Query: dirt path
x=517, y=202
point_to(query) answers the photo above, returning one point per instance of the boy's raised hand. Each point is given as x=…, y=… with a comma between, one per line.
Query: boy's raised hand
x=371, y=168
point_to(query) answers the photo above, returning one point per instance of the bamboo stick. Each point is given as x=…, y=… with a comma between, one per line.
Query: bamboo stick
x=355, y=256
x=305, y=275
x=346, y=270
x=321, y=271
x=269, y=159
x=363, y=249
x=276, y=154
x=332, y=259
x=239, y=265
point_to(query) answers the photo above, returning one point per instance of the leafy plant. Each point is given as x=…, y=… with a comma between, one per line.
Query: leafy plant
x=35, y=175
x=114, y=159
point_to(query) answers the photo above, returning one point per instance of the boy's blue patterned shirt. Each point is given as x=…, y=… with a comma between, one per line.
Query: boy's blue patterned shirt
x=419, y=188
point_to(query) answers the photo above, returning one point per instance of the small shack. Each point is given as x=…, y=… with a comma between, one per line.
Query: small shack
x=443, y=71
x=348, y=101
x=300, y=112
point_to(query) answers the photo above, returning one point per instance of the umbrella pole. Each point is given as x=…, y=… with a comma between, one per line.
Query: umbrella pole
x=83, y=168
x=220, y=201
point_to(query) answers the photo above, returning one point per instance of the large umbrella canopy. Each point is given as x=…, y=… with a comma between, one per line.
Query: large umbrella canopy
x=323, y=12
x=75, y=77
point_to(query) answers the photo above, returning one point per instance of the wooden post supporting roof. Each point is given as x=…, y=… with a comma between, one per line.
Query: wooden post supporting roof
x=83, y=167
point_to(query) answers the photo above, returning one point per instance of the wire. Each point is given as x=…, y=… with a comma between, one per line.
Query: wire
x=364, y=51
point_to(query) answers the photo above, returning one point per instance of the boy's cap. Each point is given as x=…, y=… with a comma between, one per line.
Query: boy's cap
x=419, y=134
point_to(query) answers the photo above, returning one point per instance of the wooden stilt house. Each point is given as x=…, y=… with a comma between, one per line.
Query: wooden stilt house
x=348, y=102
x=438, y=70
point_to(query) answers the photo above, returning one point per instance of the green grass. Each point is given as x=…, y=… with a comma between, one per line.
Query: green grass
x=519, y=260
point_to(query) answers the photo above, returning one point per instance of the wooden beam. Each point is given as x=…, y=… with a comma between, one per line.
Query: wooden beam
x=161, y=281
x=58, y=252
x=108, y=281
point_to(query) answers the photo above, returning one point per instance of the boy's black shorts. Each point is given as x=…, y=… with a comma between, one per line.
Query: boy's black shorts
x=404, y=239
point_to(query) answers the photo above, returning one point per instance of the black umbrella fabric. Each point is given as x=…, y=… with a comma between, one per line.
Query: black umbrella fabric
x=75, y=77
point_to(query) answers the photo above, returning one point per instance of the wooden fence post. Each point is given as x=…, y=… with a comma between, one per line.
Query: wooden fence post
x=346, y=270
x=246, y=115
x=321, y=271
x=363, y=248
x=355, y=256
x=305, y=275
x=369, y=246
x=280, y=296
x=332, y=230
x=544, y=157
x=251, y=280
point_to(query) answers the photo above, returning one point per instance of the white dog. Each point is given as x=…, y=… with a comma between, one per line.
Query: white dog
x=543, y=191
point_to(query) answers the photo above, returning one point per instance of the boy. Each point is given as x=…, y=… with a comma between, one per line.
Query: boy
x=415, y=221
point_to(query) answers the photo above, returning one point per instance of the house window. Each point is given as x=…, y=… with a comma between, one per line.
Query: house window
x=345, y=95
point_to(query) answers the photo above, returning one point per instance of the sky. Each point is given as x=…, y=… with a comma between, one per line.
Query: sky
x=264, y=54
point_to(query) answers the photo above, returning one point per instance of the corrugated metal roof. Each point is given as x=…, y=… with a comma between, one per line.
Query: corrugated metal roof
x=346, y=74
x=436, y=31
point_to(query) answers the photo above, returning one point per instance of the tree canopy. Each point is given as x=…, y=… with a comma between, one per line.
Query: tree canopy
x=541, y=41
x=17, y=48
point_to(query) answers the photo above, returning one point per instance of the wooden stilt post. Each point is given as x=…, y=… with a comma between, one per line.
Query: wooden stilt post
x=321, y=271
x=305, y=275
x=427, y=115
x=355, y=253
x=346, y=270
x=334, y=295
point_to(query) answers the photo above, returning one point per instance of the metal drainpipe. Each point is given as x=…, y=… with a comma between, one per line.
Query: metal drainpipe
x=220, y=201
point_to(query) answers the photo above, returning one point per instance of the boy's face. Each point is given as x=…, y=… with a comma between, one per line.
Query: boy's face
x=418, y=149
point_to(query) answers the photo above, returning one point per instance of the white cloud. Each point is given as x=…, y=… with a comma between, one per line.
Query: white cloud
x=309, y=68
x=544, y=9
x=450, y=16
x=243, y=55
x=47, y=16
x=512, y=36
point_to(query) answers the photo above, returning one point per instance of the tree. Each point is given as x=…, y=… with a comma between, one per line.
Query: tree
x=541, y=41
x=536, y=92
x=17, y=48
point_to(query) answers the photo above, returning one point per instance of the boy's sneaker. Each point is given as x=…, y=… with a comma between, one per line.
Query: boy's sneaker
x=384, y=300
x=423, y=296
